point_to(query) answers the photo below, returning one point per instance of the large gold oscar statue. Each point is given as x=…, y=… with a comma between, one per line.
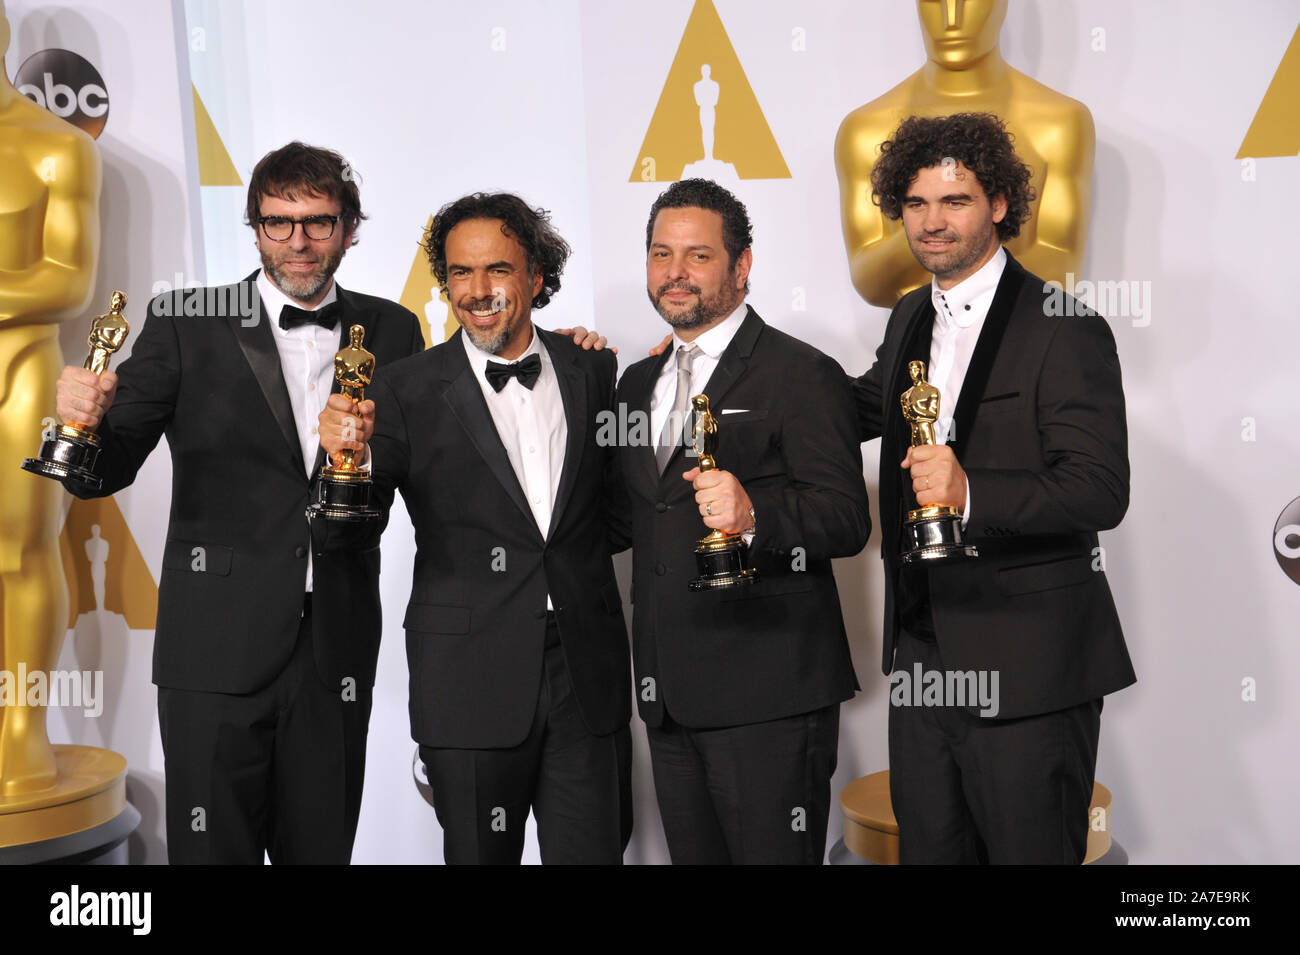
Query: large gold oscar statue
x=49, y=244
x=965, y=72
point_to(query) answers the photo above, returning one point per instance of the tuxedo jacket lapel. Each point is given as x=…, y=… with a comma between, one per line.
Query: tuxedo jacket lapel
x=986, y=350
x=257, y=342
x=573, y=393
x=465, y=398
x=734, y=359
x=915, y=344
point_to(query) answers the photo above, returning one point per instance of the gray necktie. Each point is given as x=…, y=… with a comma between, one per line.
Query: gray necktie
x=671, y=436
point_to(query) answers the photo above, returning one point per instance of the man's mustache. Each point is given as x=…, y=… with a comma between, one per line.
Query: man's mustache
x=677, y=287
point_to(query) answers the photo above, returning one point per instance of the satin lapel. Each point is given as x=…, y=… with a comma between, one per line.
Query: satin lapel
x=573, y=392
x=349, y=314
x=732, y=363
x=986, y=350
x=465, y=398
x=257, y=342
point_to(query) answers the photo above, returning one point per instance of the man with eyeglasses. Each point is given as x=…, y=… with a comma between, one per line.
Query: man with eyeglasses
x=264, y=654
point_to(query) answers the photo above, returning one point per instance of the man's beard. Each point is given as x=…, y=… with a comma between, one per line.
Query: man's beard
x=956, y=260
x=302, y=288
x=491, y=340
x=706, y=310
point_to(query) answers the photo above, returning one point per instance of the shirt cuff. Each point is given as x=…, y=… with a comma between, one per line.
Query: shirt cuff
x=965, y=514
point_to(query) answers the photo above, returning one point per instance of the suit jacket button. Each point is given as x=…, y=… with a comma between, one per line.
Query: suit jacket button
x=660, y=569
x=300, y=551
x=660, y=506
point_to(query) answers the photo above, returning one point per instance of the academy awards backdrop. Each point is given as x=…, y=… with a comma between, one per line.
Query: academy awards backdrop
x=589, y=109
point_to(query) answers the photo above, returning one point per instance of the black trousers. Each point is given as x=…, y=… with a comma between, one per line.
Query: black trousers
x=278, y=771
x=968, y=789
x=577, y=784
x=746, y=795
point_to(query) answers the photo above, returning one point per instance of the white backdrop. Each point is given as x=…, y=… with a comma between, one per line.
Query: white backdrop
x=553, y=100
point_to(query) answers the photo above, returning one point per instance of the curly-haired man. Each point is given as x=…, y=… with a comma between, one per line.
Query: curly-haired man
x=998, y=663
x=520, y=691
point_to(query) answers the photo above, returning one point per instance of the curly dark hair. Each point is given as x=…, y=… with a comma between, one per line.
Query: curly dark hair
x=298, y=169
x=737, y=233
x=544, y=249
x=979, y=141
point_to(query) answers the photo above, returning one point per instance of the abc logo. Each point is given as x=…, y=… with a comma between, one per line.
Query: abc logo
x=1286, y=540
x=68, y=86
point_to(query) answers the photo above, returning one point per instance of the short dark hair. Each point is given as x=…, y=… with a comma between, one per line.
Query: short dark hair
x=544, y=248
x=979, y=141
x=737, y=233
x=301, y=170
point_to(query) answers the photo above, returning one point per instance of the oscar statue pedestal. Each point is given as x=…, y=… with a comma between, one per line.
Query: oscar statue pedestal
x=871, y=831
x=83, y=818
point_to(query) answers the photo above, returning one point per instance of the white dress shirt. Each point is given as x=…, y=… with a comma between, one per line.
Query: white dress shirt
x=307, y=363
x=958, y=317
x=531, y=425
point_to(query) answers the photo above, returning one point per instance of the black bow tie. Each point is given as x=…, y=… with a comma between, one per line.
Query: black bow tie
x=526, y=371
x=327, y=316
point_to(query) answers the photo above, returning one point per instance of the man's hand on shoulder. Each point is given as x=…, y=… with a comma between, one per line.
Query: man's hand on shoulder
x=343, y=425
x=937, y=477
x=586, y=339
x=82, y=397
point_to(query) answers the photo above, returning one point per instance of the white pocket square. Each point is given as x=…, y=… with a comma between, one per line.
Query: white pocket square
x=734, y=410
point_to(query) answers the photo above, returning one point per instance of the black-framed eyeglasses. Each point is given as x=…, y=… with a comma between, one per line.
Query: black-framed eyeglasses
x=280, y=228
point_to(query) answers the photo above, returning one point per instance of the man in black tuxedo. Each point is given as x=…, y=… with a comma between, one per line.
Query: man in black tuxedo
x=739, y=688
x=1036, y=459
x=520, y=692
x=264, y=656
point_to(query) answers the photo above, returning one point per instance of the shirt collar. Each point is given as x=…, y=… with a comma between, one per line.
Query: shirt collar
x=273, y=300
x=478, y=358
x=968, y=301
x=715, y=341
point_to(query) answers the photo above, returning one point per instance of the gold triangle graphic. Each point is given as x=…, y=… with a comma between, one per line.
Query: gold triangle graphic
x=95, y=533
x=1275, y=131
x=419, y=294
x=676, y=143
x=215, y=166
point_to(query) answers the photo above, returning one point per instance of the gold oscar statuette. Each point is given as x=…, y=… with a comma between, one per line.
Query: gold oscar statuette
x=343, y=491
x=50, y=184
x=721, y=558
x=933, y=532
x=72, y=449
